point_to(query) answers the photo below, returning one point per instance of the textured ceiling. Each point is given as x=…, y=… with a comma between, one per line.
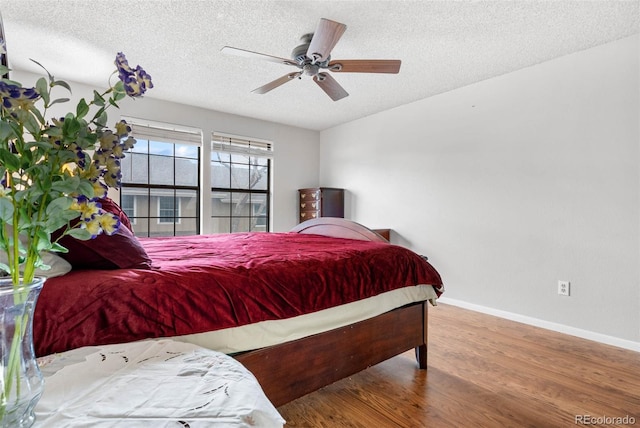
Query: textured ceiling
x=443, y=45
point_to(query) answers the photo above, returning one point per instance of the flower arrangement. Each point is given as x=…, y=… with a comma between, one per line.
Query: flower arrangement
x=52, y=172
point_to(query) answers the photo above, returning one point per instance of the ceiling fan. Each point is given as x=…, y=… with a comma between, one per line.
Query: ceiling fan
x=313, y=58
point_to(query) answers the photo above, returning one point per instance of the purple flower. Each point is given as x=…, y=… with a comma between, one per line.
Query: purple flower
x=136, y=81
x=14, y=96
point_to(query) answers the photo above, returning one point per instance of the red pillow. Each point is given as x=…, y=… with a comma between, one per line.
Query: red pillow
x=122, y=250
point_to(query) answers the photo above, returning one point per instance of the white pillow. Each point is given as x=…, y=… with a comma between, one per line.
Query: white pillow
x=59, y=266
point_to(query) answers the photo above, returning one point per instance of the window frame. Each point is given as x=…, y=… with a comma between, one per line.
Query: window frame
x=155, y=132
x=233, y=145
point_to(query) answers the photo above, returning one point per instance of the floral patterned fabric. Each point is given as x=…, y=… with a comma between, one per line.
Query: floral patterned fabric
x=151, y=384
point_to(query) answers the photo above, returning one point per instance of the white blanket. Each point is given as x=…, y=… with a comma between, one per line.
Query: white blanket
x=157, y=383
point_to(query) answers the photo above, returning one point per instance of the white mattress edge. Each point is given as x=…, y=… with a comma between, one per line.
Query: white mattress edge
x=275, y=332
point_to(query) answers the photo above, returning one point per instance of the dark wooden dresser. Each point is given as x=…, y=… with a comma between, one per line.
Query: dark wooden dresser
x=320, y=202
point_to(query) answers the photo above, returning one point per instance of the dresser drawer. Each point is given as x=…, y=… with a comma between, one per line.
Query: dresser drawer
x=309, y=205
x=309, y=195
x=307, y=215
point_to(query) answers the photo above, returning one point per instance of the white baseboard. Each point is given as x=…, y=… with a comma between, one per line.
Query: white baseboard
x=560, y=328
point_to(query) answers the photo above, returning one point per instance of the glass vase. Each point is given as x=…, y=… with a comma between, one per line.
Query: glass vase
x=21, y=383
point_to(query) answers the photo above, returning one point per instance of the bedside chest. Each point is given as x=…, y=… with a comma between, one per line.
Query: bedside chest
x=317, y=202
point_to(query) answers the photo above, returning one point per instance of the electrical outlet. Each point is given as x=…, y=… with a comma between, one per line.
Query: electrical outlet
x=564, y=288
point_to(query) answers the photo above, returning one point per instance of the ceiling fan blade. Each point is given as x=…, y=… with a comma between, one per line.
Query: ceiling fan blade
x=365, y=66
x=278, y=82
x=250, y=54
x=330, y=86
x=324, y=39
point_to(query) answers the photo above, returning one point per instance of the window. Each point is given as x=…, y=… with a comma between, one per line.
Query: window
x=161, y=180
x=240, y=184
x=168, y=209
x=128, y=205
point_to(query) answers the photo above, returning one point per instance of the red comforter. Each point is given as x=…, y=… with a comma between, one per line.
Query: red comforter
x=205, y=283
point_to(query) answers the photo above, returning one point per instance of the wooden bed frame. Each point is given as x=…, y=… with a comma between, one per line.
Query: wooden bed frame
x=293, y=369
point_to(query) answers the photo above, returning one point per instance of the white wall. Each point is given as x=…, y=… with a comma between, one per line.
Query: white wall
x=296, y=150
x=512, y=184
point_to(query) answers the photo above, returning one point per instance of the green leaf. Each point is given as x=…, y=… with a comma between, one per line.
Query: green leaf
x=58, y=204
x=37, y=114
x=32, y=125
x=9, y=160
x=48, y=74
x=71, y=126
x=40, y=144
x=6, y=131
x=117, y=96
x=82, y=109
x=86, y=188
x=102, y=119
x=43, y=89
x=81, y=234
x=60, y=219
x=55, y=247
x=98, y=99
x=69, y=185
x=58, y=101
x=61, y=83
x=6, y=210
x=54, y=131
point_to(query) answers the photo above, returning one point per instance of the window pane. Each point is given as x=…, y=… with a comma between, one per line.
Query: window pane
x=236, y=158
x=220, y=174
x=239, y=176
x=186, y=151
x=134, y=168
x=163, y=149
x=220, y=156
x=161, y=170
x=259, y=176
x=188, y=203
x=221, y=225
x=141, y=146
x=188, y=226
x=127, y=203
x=186, y=172
x=220, y=204
x=241, y=204
x=167, y=209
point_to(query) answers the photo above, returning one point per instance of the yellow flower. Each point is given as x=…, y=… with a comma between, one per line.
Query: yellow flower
x=93, y=227
x=109, y=223
x=99, y=190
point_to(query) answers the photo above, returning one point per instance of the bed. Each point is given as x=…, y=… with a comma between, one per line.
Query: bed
x=258, y=297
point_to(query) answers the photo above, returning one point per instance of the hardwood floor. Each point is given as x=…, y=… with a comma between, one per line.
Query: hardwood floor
x=484, y=372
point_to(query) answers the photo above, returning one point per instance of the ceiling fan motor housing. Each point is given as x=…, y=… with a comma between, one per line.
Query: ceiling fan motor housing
x=299, y=54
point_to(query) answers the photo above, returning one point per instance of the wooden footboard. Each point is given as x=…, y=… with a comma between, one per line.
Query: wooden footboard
x=293, y=369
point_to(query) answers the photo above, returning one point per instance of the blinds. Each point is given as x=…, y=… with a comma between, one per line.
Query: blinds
x=232, y=144
x=164, y=132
